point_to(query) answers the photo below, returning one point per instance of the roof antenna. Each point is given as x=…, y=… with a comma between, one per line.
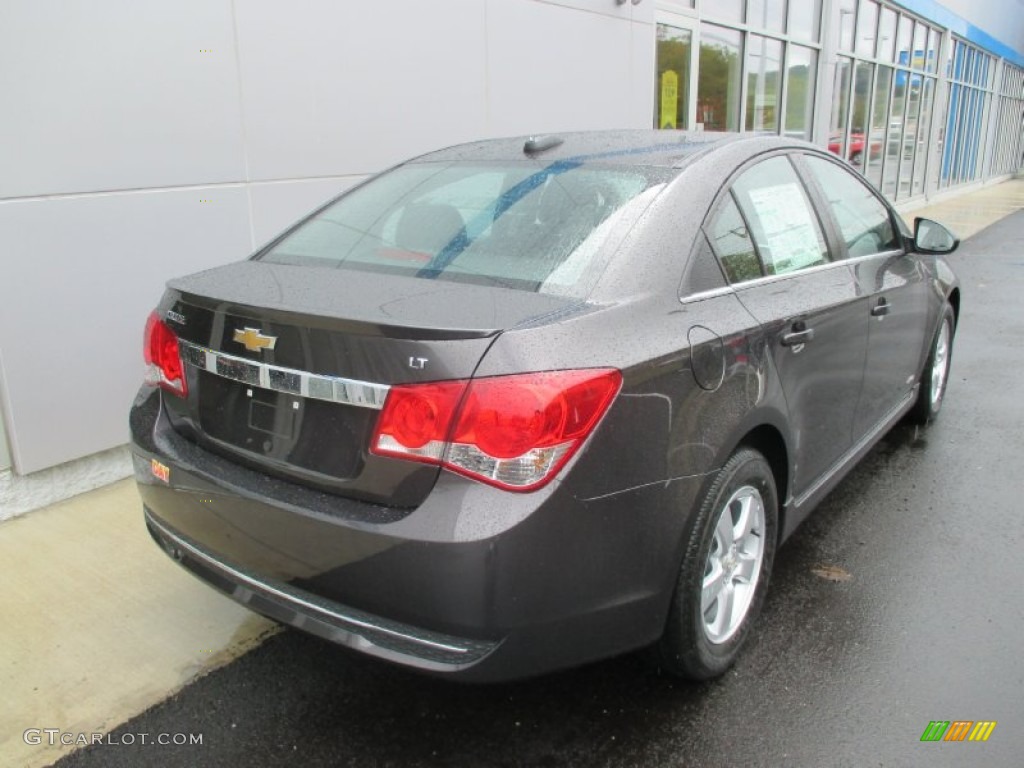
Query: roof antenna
x=537, y=144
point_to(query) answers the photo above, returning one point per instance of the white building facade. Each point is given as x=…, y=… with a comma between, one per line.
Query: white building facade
x=141, y=139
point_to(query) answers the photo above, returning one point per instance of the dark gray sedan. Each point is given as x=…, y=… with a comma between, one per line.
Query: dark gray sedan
x=526, y=403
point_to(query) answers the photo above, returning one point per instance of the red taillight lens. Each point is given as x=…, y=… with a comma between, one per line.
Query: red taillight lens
x=416, y=419
x=514, y=432
x=163, y=357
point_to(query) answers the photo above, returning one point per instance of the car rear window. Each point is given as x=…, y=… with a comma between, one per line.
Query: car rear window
x=520, y=225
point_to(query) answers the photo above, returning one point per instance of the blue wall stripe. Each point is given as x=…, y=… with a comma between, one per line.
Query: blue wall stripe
x=934, y=11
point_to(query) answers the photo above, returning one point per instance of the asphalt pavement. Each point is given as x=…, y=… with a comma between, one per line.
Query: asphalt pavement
x=897, y=603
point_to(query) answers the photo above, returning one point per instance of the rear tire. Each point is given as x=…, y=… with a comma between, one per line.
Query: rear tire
x=724, y=575
x=936, y=372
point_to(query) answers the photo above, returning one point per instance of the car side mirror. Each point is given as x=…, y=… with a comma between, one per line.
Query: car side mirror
x=932, y=237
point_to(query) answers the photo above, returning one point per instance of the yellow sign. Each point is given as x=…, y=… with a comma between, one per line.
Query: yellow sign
x=669, y=99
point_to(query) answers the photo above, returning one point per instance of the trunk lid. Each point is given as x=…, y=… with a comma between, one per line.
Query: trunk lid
x=287, y=366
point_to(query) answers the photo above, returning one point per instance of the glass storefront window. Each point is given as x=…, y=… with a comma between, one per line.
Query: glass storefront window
x=971, y=66
x=858, y=144
x=904, y=40
x=887, y=35
x=1007, y=154
x=767, y=14
x=917, y=61
x=933, y=50
x=924, y=131
x=718, y=78
x=911, y=134
x=867, y=22
x=845, y=13
x=968, y=141
x=764, y=84
x=894, y=136
x=672, y=89
x=879, y=123
x=804, y=19
x=801, y=68
x=840, y=99
x=725, y=10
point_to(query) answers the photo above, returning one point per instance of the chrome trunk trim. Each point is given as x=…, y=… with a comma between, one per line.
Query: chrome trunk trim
x=334, y=389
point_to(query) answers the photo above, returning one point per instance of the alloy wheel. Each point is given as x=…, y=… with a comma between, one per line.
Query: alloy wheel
x=733, y=566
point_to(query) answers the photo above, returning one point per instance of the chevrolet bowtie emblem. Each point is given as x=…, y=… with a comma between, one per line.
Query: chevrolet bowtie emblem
x=253, y=340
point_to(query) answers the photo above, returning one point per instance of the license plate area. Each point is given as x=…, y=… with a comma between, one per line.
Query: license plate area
x=284, y=429
x=273, y=414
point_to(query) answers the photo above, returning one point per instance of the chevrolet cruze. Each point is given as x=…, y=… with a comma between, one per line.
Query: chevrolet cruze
x=522, y=404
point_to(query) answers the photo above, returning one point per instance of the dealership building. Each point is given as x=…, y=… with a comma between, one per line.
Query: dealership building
x=142, y=139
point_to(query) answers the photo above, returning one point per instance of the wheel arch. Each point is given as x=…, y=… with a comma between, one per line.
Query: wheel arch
x=954, y=302
x=767, y=440
x=764, y=430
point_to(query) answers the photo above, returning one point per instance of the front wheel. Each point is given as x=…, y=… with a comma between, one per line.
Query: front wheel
x=936, y=372
x=725, y=570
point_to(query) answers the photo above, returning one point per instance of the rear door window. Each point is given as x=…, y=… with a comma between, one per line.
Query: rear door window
x=781, y=219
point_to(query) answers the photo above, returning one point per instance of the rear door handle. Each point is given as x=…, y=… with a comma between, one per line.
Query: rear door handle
x=800, y=334
x=881, y=308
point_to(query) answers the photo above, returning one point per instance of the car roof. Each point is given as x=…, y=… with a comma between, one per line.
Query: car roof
x=666, y=149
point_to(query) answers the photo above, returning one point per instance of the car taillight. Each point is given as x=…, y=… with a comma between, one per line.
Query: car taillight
x=163, y=357
x=514, y=432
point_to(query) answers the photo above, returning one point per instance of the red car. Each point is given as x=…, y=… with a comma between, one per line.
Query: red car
x=855, y=147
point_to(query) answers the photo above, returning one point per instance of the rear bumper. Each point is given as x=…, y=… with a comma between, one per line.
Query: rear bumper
x=346, y=626
x=474, y=583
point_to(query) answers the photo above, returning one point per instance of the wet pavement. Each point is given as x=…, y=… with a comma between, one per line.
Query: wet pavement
x=897, y=603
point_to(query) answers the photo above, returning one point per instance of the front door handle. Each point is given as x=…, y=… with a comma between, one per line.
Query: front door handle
x=800, y=334
x=881, y=309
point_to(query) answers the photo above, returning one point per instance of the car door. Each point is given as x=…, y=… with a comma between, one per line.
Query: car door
x=813, y=317
x=893, y=281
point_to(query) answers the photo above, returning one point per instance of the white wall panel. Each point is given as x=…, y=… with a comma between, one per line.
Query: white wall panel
x=643, y=70
x=105, y=106
x=117, y=95
x=278, y=205
x=5, y=456
x=337, y=89
x=605, y=7
x=80, y=275
x=645, y=12
x=1003, y=19
x=555, y=69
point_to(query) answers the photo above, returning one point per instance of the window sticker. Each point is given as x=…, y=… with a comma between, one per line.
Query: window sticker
x=787, y=228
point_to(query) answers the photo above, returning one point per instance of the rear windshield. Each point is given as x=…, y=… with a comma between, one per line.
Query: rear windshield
x=517, y=225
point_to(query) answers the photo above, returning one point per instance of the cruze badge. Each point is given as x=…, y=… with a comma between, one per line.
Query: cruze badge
x=253, y=340
x=175, y=316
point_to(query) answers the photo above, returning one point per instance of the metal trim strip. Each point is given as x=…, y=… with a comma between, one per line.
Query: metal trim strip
x=334, y=389
x=449, y=644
